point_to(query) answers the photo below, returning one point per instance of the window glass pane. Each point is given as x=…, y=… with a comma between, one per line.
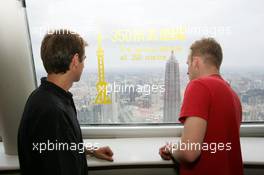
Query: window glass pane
x=137, y=38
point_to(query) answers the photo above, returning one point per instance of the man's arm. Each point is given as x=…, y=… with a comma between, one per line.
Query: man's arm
x=194, y=115
x=57, y=161
x=193, y=132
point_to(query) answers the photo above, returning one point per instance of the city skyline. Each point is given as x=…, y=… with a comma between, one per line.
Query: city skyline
x=245, y=83
x=149, y=109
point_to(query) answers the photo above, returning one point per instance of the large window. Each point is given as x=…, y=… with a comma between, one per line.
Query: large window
x=135, y=39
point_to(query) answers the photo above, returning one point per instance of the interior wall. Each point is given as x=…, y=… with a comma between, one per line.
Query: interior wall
x=16, y=71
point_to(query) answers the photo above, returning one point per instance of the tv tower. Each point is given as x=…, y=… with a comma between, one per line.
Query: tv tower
x=101, y=85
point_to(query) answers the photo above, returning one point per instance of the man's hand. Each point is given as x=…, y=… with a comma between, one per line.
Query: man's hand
x=165, y=153
x=104, y=153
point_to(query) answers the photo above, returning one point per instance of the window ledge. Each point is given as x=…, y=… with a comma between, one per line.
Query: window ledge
x=172, y=130
x=144, y=151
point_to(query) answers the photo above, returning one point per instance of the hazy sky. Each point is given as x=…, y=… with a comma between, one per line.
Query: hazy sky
x=242, y=41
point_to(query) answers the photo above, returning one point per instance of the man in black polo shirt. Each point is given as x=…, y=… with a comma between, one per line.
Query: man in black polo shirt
x=49, y=137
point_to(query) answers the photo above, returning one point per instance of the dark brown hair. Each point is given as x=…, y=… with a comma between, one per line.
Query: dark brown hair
x=58, y=48
x=209, y=49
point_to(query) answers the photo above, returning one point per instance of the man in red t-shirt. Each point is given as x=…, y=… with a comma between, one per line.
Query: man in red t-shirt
x=211, y=113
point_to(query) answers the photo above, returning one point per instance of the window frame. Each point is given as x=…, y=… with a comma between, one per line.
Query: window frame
x=247, y=129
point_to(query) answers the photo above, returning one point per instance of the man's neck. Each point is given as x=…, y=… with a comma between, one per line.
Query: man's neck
x=60, y=80
x=208, y=72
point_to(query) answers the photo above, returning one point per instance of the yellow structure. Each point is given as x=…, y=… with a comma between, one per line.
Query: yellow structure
x=101, y=85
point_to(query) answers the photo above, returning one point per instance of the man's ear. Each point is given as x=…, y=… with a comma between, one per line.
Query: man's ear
x=196, y=61
x=75, y=61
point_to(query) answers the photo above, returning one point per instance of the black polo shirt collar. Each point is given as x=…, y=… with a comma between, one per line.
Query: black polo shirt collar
x=54, y=88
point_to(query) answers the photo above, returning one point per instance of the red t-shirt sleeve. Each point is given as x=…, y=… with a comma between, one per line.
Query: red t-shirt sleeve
x=196, y=101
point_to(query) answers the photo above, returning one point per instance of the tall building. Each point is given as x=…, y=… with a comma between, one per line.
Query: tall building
x=109, y=112
x=132, y=97
x=172, y=95
x=105, y=114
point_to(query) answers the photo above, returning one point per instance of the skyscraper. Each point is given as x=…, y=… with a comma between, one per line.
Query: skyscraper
x=109, y=112
x=172, y=95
